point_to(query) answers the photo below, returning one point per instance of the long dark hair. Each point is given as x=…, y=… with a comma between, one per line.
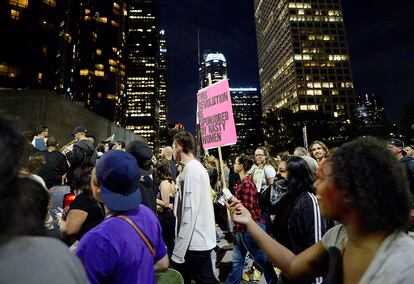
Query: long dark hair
x=300, y=180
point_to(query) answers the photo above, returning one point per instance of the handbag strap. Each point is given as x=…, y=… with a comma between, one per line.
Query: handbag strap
x=141, y=234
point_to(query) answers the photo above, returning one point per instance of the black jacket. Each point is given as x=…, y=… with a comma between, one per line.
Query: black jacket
x=83, y=153
x=408, y=164
x=305, y=226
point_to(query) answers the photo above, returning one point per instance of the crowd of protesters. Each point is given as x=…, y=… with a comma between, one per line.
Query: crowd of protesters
x=314, y=216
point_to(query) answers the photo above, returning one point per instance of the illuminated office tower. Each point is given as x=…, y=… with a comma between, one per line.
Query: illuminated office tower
x=247, y=116
x=213, y=67
x=99, y=73
x=143, y=80
x=303, y=56
x=29, y=43
x=163, y=98
x=370, y=109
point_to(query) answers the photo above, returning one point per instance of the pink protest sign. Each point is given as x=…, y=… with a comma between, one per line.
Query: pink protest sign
x=215, y=116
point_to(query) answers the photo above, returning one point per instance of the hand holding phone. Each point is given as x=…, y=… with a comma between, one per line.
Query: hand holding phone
x=227, y=195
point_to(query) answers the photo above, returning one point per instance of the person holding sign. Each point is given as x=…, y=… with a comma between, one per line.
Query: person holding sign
x=245, y=191
x=196, y=229
x=360, y=186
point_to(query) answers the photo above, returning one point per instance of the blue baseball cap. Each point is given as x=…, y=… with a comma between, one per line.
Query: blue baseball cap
x=78, y=129
x=118, y=175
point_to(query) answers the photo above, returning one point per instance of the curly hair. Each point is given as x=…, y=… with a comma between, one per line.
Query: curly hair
x=374, y=181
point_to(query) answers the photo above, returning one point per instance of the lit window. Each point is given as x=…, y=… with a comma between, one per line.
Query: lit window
x=99, y=73
x=111, y=97
x=19, y=3
x=39, y=77
x=112, y=69
x=87, y=11
x=116, y=5
x=99, y=51
x=14, y=14
x=99, y=66
x=102, y=19
x=87, y=18
x=84, y=72
x=44, y=51
x=114, y=23
x=112, y=62
x=51, y=3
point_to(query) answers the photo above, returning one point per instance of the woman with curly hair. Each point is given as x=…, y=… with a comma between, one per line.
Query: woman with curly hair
x=360, y=186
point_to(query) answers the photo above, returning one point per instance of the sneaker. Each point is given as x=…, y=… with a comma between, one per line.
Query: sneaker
x=252, y=275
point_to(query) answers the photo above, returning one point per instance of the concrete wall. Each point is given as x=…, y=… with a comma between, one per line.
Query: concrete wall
x=32, y=108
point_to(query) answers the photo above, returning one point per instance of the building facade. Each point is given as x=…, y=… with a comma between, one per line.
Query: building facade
x=213, y=68
x=28, y=48
x=303, y=56
x=247, y=117
x=143, y=80
x=99, y=68
x=370, y=108
x=163, y=92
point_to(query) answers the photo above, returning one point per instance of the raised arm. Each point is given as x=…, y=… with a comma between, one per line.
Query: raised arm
x=309, y=264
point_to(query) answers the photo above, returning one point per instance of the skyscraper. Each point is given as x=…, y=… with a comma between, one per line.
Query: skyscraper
x=99, y=68
x=247, y=116
x=213, y=68
x=371, y=109
x=303, y=56
x=142, y=96
x=162, y=69
x=143, y=80
x=29, y=44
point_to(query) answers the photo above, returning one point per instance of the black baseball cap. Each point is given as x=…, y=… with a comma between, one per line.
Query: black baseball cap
x=398, y=143
x=79, y=128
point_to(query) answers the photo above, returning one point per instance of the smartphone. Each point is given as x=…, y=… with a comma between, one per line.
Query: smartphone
x=227, y=195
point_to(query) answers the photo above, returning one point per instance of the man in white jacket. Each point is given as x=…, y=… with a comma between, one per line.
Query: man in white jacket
x=195, y=230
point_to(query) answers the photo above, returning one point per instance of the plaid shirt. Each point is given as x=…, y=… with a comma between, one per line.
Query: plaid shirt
x=247, y=194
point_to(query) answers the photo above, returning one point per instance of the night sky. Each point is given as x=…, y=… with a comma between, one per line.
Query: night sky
x=380, y=38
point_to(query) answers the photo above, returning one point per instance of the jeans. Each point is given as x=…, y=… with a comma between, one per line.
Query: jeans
x=197, y=266
x=244, y=243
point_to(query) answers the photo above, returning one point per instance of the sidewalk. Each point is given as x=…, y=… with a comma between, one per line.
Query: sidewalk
x=223, y=243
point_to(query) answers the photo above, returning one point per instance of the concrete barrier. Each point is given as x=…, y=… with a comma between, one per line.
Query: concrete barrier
x=32, y=108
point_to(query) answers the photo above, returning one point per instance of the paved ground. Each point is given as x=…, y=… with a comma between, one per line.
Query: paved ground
x=228, y=259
